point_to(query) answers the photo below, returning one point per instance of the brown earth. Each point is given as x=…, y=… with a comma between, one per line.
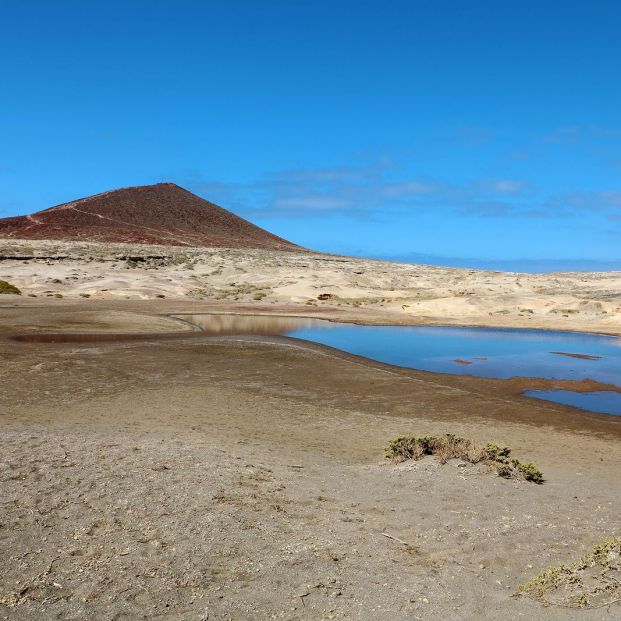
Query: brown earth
x=243, y=478
x=162, y=213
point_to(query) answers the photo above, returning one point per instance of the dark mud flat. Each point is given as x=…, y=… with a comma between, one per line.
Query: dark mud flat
x=98, y=338
x=578, y=356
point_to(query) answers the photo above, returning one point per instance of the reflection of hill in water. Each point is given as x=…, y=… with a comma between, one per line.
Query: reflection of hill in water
x=243, y=324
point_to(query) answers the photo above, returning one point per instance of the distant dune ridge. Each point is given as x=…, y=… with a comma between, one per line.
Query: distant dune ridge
x=163, y=213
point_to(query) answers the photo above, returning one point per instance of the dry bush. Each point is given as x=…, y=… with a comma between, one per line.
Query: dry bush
x=592, y=582
x=450, y=446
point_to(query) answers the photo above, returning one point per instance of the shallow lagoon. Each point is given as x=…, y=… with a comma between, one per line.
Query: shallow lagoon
x=484, y=352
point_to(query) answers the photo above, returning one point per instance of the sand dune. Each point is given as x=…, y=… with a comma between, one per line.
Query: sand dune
x=376, y=291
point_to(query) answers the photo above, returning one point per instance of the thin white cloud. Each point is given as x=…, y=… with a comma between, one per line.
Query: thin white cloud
x=605, y=201
x=508, y=186
x=406, y=188
x=370, y=191
x=564, y=135
x=311, y=203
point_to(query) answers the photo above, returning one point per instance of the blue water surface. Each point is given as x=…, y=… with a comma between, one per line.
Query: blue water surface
x=489, y=352
x=601, y=401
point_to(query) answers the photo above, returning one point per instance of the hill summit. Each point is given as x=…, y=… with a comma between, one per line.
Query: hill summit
x=163, y=213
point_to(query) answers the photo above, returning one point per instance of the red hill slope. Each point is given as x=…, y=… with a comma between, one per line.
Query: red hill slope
x=162, y=213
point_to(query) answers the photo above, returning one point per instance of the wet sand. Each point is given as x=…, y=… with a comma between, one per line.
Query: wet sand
x=244, y=478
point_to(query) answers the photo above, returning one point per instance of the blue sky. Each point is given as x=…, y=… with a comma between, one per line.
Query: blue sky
x=457, y=132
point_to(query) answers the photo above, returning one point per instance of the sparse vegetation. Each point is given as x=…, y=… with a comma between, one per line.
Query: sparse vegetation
x=239, y=290
x=355, y=302
x=528, y=470
x=7, y=287
x=450, y=446
x=177, y=259
x=592, y=582
x=198, y=293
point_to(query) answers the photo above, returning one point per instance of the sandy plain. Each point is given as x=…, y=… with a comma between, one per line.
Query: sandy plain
x=379, y=291
x=243, y=477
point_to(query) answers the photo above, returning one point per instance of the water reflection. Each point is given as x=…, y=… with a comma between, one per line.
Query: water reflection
x=266, y=325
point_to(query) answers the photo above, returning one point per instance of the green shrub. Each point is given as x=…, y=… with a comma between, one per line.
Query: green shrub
x=587, y=583
x=7, y=287
x=450, y=446
x=505, y=471
x=529, y=471
x=496, y=452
